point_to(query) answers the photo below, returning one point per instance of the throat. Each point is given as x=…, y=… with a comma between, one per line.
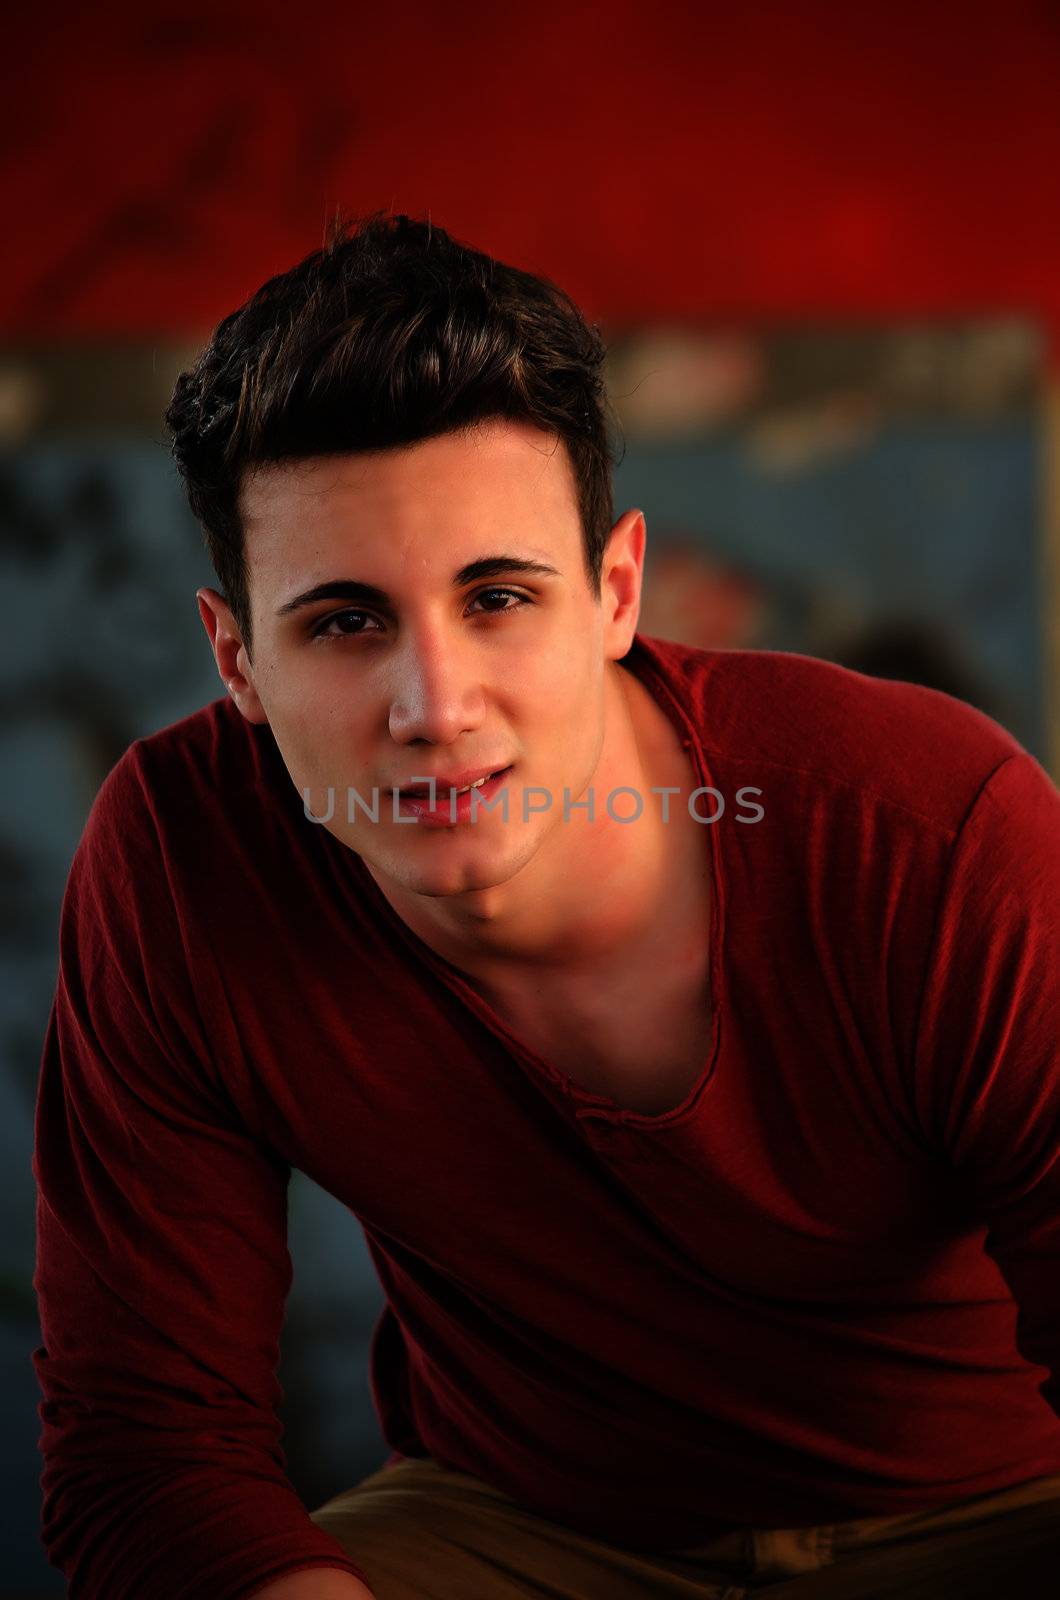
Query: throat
x=642, y=1045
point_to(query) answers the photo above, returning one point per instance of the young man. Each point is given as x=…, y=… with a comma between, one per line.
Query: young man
x=694, y=1076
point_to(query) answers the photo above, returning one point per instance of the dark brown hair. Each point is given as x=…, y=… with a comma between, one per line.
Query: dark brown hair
x=394, y=332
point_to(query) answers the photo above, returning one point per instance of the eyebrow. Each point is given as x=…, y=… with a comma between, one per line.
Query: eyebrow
x=368, y=594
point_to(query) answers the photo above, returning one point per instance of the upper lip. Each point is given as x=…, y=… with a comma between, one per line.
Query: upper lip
x=454, y=780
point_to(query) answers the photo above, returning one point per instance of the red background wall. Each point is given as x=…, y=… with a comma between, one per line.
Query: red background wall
x=766, y=160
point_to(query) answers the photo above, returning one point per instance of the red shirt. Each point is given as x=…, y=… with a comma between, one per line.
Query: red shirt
x=826, y=1285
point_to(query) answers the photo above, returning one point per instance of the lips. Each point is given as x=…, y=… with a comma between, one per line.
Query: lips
x=471, y=778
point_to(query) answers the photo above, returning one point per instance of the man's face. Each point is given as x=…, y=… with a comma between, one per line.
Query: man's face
x=432, y=669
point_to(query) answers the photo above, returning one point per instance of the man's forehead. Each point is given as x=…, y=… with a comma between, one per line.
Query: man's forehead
x=313, y=534
x=275, y=486
x=470, y=462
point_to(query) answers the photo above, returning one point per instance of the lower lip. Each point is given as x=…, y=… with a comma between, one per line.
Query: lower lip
x=444, y=814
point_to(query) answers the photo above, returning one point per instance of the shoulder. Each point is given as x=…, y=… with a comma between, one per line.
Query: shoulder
x=186, y=811
x=201, y=764
x=914, y=749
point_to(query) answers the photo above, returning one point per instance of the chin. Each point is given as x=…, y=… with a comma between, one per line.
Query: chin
x=460, y=871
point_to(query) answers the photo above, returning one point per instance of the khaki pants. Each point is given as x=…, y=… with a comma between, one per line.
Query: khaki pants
x=421, y=1532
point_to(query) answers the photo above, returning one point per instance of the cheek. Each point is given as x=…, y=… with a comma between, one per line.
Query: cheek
x=564, y=672
x=324, y=737
x=561, y=696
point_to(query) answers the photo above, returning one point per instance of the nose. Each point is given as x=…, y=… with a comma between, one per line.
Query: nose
x=437, y=693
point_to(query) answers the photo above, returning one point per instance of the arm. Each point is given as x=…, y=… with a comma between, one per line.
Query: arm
x=317, y=1584
x=162, y=1265
x=988, y=1043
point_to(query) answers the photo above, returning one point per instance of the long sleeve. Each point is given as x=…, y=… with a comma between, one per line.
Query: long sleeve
x=162, y=1263
x=988, y=1054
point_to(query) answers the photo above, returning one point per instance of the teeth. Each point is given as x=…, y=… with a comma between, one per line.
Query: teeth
x=423, y=793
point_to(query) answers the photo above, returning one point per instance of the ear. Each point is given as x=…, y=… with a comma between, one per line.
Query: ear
x=233, y=663
x=621, y=577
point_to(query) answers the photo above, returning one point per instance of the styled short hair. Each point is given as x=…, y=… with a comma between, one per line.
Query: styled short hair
x=392, y=333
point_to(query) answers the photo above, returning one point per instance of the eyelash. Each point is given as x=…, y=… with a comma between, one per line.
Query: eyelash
x=320, y=632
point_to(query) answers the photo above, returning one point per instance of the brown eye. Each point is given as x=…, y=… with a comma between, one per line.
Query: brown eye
x=510, y=594
x=325, y=629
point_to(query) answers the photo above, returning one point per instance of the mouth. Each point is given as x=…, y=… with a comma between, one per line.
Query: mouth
x=464, y=785
x=453, y=804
